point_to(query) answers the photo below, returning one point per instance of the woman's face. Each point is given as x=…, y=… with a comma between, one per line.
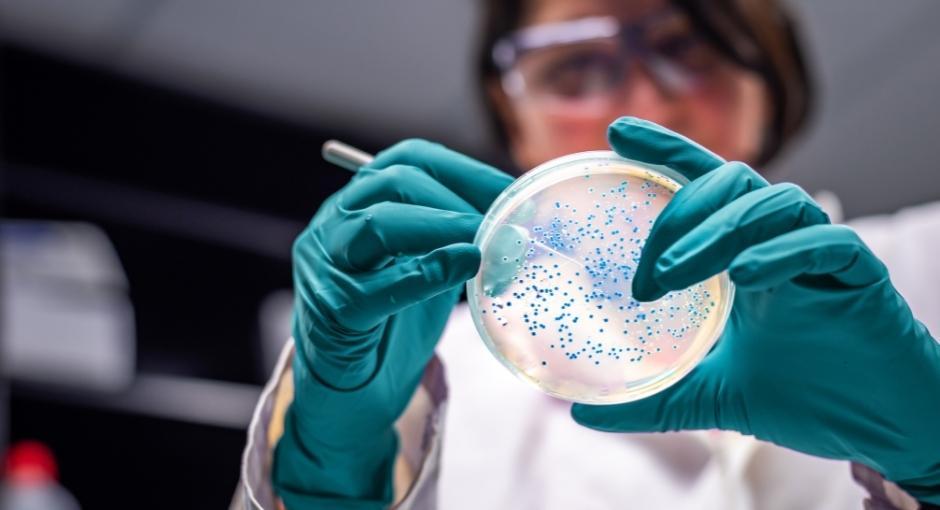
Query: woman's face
x=725, y=110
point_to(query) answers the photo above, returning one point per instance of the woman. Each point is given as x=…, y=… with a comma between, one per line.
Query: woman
x=821, y=355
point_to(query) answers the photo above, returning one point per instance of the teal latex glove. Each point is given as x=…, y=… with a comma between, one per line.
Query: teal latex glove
x=376, y=275
x=820, y=353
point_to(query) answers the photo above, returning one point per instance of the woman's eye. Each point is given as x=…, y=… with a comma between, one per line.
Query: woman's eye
x=582, y=74
x=688, y=51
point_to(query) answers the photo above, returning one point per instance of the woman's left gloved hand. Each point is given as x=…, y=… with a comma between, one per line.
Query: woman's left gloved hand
x=820, y=354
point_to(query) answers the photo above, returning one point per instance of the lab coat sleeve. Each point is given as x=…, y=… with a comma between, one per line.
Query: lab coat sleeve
x=420, y=430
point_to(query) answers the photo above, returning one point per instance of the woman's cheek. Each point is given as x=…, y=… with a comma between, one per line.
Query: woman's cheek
x=730, y=121
x=714, y=127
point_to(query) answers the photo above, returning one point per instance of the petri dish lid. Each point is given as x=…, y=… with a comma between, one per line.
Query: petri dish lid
x=552, y=300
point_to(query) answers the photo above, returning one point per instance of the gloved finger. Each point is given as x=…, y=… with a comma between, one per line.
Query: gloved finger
x=385, y=292
x=404, y=184
x=371, y=237
x=648, y=142
x=833, y=250
x=689, y=207
x=690, y=404
x=756, y=217
x=477, y=183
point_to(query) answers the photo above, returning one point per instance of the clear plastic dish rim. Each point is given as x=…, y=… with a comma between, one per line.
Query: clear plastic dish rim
x=542, y=177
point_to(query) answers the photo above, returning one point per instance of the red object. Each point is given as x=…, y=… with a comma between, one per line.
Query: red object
x=30, y=462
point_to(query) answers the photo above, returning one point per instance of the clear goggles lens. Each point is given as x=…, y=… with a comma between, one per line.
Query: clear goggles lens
x=585, y=59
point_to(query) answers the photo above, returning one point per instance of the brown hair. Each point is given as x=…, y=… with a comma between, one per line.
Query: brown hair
x=759, y=35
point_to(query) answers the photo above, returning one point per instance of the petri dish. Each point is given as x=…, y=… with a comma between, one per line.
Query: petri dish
x=552, y=300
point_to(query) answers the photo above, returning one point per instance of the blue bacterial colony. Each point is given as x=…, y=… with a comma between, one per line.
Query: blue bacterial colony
x=556, y=300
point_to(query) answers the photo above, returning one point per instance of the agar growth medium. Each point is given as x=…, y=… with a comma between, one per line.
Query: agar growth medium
x=552, y=300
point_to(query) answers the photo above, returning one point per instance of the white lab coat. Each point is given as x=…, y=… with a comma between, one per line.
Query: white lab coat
x=497, y=443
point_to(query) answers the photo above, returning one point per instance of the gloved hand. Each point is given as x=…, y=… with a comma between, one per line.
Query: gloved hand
x=820, y=353
x=376, y=275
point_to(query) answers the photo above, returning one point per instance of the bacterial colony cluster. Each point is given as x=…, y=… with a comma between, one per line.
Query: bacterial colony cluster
x=553, y=297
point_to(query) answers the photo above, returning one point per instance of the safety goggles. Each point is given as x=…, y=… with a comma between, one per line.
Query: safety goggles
x=583, y=64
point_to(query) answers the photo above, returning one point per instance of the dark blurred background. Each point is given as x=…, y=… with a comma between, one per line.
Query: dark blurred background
x=188, y=134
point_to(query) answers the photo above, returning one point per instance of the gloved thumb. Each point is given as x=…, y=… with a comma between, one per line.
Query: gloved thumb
x=690, y=404
x=646, y=141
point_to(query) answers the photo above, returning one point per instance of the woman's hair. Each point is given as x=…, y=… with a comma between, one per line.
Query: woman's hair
x=758, y=35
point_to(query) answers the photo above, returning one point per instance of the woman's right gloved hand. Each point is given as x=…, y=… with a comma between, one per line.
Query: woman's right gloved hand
x=820, y=354
x=376, y=274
